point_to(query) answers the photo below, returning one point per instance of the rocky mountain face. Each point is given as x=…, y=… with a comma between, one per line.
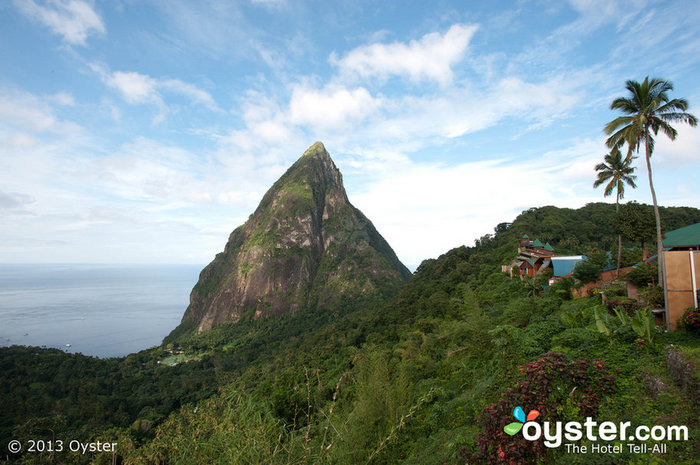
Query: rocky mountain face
x=304, y=246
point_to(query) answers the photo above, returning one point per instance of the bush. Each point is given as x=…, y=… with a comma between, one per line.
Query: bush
x=691, y=320
x=629, y=306
x=652, y=295
x=587, y=271
x=562, y=288
x=615, y=291
x=558, y=389
x=642, y=275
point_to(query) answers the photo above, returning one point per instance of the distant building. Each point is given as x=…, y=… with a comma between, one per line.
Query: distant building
x=533, y=257
x=682, y=271
x=564, y=266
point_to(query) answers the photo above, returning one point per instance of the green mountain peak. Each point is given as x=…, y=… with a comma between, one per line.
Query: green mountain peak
x=305, y=246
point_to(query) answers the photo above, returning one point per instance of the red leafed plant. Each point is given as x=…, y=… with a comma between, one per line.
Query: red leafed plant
x=546, y=385
x=691, y=319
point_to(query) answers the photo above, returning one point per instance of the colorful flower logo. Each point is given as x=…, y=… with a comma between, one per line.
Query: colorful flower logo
x=519, y=414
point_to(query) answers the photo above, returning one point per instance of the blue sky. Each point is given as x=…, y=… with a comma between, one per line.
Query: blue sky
x=146, y=131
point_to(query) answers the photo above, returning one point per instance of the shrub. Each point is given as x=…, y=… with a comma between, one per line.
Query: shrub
x=691, y=320
x=562, y=288
x=629, y=306
x=552, y=385
x=587, y=271
x=642, y=275
x=615, y=291
x=652, y=295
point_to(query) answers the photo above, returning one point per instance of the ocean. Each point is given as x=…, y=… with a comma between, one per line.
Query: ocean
x=100, y=310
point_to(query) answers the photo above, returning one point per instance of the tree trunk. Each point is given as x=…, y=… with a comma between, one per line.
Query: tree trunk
x=619, y=236
x=659, y=239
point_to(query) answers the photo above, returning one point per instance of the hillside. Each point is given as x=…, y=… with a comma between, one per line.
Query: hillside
x=429, y=376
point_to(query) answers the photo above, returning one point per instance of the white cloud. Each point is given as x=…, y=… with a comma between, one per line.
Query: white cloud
x=332, y=106
x=599, y=8
x=63, y=98
x=683, y=150
x=424, y=209
x=75, y=20
x=190, y=91
x=23, y=112
x=430, y=58
x=14, y=200
x=137, y=88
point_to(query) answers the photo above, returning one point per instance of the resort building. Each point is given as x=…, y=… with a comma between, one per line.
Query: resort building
x=682, y=271
x=533, y=257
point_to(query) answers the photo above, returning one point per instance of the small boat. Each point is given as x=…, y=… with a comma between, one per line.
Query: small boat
x=67, y=345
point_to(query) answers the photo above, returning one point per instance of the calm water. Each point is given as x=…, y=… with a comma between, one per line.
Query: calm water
x=101, y=310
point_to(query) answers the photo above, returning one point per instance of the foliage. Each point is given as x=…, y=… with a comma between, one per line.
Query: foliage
x=691, y=320
x=403, y=380
x=636, y=222
x=614, y=291
x=558, y=389
x=587, y=271
x=563, y=287
x=648, y=109
x=642, y=322
x=617, y=172
x=625, y=304
x=652, y=296
x=642, y=275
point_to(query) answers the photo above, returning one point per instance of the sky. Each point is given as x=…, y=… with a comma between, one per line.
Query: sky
x=146, y=131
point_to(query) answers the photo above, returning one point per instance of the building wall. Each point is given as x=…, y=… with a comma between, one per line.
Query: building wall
x=679, y=283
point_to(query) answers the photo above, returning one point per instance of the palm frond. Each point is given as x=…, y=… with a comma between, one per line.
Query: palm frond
x=673, y=105
x=667, y=129
x=687, y=118
x=625, y=105
x=613, y=125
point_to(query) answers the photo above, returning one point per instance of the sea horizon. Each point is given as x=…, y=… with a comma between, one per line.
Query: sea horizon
x=97, y=309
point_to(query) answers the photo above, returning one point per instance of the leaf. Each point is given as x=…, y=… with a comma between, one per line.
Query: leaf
x=532, y=415
x=519, y=414
x=621, y=315
x=600, y=324
x=513, y=428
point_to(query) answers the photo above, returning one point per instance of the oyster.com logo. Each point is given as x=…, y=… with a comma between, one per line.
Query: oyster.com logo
x=519, y=414
x=555, y=433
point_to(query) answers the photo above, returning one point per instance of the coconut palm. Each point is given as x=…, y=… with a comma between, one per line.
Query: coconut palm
x=648, y=109
x=617, y=172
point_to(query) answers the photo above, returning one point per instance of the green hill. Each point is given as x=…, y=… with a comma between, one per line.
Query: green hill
x=431, y=375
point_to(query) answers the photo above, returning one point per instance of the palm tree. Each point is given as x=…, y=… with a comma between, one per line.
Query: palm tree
x=648, y=110
x=618, y=172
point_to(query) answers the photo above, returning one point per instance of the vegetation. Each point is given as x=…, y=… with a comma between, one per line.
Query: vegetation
x=587, y=271
x=691, y=320
x=617, y=172
x=636, y=223
x=648, y=109
x=429, y=376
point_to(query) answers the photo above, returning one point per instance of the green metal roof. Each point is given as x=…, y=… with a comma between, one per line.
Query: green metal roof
x=537, y=243
x=548, y=247
x=683, y=237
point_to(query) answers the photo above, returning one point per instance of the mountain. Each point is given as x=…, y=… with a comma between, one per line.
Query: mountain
x=305, y=246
